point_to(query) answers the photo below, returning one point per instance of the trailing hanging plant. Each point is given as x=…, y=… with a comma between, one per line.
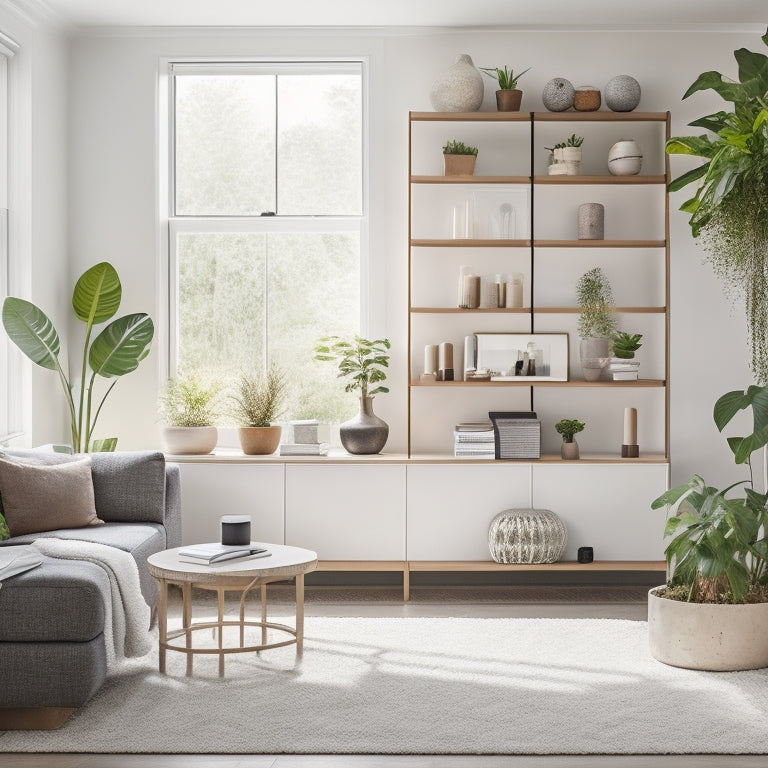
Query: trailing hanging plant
x=595, y=297
x=730, y=208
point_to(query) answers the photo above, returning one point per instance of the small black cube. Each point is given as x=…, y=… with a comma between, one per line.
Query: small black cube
x=585, y=555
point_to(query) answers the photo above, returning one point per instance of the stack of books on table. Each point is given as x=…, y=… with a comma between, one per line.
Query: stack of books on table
x=620, y=369
x=517, y=434
x=213, y=553
x=474, y=440
x=303, y=440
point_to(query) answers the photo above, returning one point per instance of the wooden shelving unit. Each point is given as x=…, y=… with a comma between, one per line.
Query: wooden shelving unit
x=533, y=179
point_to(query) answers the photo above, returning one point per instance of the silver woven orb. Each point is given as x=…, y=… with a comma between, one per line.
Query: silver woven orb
x=622, y=93
x=558, y=94
x=526, y=536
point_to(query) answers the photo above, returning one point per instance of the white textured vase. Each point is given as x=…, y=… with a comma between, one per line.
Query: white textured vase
x=459, y=89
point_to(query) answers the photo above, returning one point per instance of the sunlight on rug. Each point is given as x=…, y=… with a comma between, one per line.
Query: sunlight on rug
x=425, y=686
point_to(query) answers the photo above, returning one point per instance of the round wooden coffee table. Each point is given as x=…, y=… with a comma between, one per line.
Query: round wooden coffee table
x=242, y=575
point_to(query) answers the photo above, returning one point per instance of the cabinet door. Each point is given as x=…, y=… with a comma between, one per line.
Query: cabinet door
x=450, y=507
x=209, y=491
x=606, y=507
x=351, y=512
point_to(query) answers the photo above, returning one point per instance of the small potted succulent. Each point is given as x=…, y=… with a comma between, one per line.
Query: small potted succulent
x=565, y=156
x=625, y=345
x=508, y=97
x=188, y=408
x=568, y=428
x=258, y=399
x=459, y=158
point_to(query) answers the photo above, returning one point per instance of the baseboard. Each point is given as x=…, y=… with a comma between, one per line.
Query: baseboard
x=34, y=718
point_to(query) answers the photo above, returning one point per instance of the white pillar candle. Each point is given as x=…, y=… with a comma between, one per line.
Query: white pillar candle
x=630, y=426
x=445, y=356
x=430, y=358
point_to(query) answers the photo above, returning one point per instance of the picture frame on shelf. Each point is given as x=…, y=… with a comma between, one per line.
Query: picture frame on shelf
x=522, y=356
x=501, y=214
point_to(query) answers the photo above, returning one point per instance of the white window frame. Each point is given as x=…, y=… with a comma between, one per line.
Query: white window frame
x=172, y=225
x=12, y=400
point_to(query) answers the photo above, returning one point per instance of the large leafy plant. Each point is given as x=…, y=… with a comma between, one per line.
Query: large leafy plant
x=730, y=207
x=118, y=348
x=718, y=550
x=361, y=361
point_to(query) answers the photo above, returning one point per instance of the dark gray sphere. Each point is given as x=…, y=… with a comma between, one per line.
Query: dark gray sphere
x=558, y=94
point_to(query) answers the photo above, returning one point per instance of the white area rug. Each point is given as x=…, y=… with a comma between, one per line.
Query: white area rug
x=431, y=686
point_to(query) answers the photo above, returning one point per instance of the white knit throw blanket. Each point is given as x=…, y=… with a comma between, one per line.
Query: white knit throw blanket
x=126, y=630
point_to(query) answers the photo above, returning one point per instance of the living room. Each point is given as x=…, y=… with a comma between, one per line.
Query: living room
x=88, y=124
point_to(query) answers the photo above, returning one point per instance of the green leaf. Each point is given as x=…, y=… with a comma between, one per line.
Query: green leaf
x=31, y=330
x=107, y=445
x=122, y=345
x=97, y=294
x=687, y=178
x=701, y=146
x=753, y=72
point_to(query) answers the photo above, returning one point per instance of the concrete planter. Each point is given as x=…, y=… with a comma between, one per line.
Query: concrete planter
x=718, y=638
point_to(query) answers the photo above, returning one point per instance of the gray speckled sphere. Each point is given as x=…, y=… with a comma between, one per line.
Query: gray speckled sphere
x=558, y=94
x=622, y=93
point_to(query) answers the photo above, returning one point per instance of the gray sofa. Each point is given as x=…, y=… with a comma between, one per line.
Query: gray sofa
x=52, y=649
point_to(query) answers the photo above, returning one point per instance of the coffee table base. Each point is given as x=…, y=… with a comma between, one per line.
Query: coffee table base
x=188, y=627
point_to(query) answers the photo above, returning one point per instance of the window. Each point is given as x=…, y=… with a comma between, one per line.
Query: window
x=267, y=224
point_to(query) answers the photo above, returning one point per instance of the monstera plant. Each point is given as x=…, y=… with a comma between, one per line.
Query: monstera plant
x=730, y=208
x=118, y=348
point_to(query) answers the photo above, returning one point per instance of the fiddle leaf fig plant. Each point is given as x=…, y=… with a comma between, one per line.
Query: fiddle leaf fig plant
x=729, y=209
x=361, y=361
x=117, y=350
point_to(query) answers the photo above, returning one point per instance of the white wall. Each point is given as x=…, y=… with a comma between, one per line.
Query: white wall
x=112, y=189
x=38, y=196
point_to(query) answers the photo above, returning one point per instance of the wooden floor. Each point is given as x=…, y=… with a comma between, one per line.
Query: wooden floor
x=517, y=602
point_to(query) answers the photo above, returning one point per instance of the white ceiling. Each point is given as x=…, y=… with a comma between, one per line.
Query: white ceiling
x=675, y=14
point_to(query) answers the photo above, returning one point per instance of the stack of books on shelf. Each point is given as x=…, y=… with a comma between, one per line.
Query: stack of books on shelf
x=517, y=434
x=620, y=369
x=303, y=440
x=474, y=440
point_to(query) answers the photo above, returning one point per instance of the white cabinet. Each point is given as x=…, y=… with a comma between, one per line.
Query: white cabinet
x=605, y=507
x=354, y=512
x=450, y=507
x=210, y=490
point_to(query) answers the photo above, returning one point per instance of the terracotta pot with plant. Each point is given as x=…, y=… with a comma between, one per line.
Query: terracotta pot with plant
x=568, y=428
x=508, y=96
x=362, y=362
x=459, y=158
x=596, y=322
x=189, y=411
x=258, y=399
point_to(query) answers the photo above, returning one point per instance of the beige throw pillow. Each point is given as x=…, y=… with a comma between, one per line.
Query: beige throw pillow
x=39, y=497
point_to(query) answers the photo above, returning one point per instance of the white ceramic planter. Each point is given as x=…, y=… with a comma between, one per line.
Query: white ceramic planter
x=718, y=638
x=190, y=440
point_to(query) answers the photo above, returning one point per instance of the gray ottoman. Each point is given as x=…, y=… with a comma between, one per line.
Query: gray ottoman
x=52, y=649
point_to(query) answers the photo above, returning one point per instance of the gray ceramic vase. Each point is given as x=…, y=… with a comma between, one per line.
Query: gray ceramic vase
x=459, y=89
x=366, y=433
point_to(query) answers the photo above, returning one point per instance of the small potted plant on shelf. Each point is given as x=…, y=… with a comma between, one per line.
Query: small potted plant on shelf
x=258, y=399
x=508, y=97
x=189, y=411
x=715, y=601
x=596, y=322
x=362, y=363
x=459, y=158
x=568, y=428
x=565, y=156
x=623, y=366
